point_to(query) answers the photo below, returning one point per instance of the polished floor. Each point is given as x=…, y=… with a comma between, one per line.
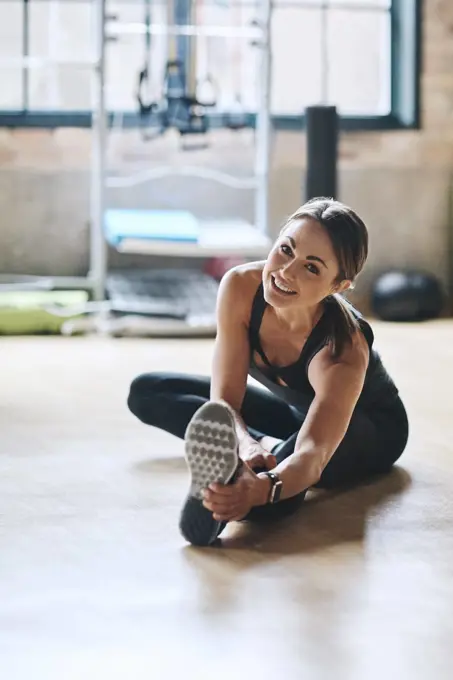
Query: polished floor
x=95, y=581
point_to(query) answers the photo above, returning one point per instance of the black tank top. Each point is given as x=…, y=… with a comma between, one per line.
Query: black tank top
x=378, y=389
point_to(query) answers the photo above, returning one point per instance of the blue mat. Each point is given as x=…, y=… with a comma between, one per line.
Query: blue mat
x=161, y=225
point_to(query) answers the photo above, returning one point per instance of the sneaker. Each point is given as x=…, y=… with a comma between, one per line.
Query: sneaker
x=212, y=454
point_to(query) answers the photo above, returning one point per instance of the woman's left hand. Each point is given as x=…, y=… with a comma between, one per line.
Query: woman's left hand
x=233, y=502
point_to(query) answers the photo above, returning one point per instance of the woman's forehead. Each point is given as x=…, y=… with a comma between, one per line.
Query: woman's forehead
x=306, y=229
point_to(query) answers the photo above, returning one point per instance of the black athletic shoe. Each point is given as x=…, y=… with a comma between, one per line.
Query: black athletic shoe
x=212, y=456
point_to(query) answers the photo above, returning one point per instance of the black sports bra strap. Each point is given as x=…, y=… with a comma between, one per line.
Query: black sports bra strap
x=256, y=317
x=258, y=308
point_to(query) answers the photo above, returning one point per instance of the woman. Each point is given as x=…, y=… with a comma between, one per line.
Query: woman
x=331, y=414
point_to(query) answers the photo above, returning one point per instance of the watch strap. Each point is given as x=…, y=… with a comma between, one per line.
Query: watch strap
x=276, y=487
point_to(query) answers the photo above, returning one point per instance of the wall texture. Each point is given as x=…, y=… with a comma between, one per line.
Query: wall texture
x=400, y=182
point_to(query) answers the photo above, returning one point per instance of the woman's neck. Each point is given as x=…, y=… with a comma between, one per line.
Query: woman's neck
x=299, y=319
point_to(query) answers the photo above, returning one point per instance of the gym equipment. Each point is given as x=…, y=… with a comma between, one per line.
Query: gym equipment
x=407, y=295
x=236, y=118
x=217, y=237
x=183, y=111
x=37, y=311
x=180, y=107
x=149, y=111
x=173, y=301
x=151, y=232
x=18, y=282
x=322, y=140
x=163, y=225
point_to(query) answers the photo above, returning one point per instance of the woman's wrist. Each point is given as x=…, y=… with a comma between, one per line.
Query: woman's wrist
x=263, y=489
x=244, y=438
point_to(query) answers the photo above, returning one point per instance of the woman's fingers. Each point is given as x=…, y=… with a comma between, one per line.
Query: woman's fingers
x=218, y=505
x=222, y=507
x=221, y=489
x=219, y=497
x=257, y=460
x=225, y=514
x=225, y=517
x=237, y=518
x=234, y=515
x=270, y=461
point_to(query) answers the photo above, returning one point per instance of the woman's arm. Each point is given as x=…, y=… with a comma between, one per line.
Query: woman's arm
x=337, y=386
x=232, y=349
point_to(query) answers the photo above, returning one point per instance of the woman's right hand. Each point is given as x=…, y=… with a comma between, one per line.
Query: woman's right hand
x=255, y=456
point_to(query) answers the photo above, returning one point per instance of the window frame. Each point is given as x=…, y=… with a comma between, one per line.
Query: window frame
x=406, y=19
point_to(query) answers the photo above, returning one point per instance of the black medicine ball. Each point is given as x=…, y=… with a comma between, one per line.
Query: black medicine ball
x=407, y=296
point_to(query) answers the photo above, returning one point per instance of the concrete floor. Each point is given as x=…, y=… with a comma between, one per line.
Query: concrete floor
x=95, y=581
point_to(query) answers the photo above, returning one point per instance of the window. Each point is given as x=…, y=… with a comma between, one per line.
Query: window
x=11, y=48
x=59, y=30
x=315, y=51
x=361, y=55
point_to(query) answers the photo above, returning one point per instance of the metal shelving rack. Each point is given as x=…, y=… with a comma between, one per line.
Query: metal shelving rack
x=217, y=238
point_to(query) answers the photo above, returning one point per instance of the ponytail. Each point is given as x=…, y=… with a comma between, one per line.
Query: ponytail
x=343, y=324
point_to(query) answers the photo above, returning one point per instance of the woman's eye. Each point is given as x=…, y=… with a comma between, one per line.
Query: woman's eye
x=313, y=268
x=286, y=249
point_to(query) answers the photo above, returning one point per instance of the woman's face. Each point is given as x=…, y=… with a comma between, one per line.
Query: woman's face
x=301, y=268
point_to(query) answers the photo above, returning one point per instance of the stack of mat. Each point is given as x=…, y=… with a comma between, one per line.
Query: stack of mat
x=36, y=312
x=151, y=225
x=161, y=302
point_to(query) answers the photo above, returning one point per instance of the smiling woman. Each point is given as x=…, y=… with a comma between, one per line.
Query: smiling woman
x=331, y=414
x=336, y=232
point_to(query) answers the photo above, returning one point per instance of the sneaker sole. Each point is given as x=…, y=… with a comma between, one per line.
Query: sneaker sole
x=211, y=450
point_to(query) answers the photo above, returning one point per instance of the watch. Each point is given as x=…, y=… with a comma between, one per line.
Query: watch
x=276, y=488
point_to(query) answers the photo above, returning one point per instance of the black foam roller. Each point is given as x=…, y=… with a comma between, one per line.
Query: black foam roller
x=322, y=139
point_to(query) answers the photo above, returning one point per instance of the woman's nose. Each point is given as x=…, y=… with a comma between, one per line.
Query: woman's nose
x=290, y=269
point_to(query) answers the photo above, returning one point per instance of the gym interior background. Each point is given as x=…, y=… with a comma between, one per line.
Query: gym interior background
x=94, y=580
x=393, y=163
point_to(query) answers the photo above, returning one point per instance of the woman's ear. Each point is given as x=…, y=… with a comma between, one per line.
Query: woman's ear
x=344, y=285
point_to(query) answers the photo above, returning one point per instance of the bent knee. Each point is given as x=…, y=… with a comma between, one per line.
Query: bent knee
x=143, y=390
x=147, y=390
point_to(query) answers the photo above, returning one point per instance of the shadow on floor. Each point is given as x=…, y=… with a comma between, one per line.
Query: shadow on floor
x=327, y=518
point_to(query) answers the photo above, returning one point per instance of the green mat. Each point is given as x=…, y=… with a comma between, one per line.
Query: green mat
x=35, y=312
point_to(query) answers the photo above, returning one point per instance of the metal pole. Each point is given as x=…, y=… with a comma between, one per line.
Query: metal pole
x=98, y=248
x=263, y=123
x=147, y=59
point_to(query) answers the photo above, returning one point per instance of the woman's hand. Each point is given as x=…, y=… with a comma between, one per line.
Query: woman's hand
x=256, y=457
x=233, y=502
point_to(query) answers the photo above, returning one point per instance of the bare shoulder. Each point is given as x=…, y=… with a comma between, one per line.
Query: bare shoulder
x=355, y=354
x=238, y=287
x=248, y=274
x=340, y=380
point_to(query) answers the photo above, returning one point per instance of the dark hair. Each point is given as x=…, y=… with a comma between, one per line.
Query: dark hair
x=349, y=237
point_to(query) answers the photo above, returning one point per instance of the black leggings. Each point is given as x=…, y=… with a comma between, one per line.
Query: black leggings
x=372, y=444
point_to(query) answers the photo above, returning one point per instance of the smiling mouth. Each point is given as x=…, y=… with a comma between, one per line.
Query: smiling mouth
x=280, y=287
